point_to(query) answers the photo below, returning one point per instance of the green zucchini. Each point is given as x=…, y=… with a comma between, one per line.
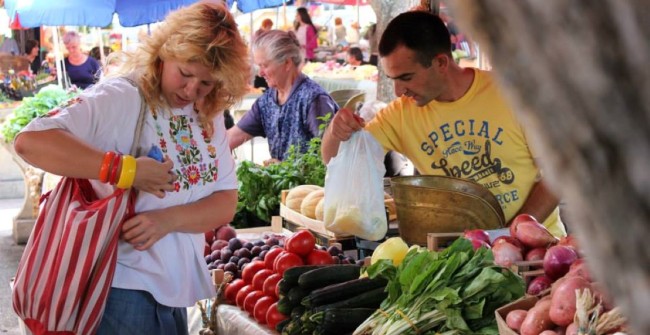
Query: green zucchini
x=285, y=306
x=342, y=320
x=342, y=291
x=369, y=299
x=296, y=294
x=328, y=275
x=284, y=287
x=280, y=326
x=291, y=275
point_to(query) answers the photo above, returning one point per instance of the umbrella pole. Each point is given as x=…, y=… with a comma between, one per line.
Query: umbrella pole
x=102, y=57
x=358, y=22
x=57, y=56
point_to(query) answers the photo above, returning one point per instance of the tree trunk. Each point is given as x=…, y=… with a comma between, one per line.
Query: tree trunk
x=385, y=10
x=577, y=74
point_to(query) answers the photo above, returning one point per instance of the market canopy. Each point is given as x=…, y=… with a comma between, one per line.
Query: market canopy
x=346, y=2
x=94, y=13
x=247, y=6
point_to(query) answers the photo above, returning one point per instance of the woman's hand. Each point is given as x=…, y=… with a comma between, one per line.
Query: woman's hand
x=154, y=177
x=344, y=123
x=144, y=229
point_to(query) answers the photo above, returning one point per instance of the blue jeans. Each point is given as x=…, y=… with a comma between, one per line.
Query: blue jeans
x=131, y=312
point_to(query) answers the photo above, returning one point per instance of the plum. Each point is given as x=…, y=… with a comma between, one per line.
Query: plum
x=225, y=233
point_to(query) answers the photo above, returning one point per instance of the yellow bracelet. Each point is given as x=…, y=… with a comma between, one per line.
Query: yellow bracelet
x=127, y=175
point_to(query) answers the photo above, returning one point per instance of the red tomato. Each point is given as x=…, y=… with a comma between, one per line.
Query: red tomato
x=301, y=243
x=270, y=257
x=260, y=277
x=318, y=257
x=286, y=261
x=231, y=290
x=261, y=307
x=241, y=295
x=270, y=284
x=251, y=299
x=275, y=261
x=273, y=317
x=250, y=270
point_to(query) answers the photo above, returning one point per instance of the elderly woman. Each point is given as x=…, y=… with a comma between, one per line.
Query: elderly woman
x=287, y=113
x=80, y=68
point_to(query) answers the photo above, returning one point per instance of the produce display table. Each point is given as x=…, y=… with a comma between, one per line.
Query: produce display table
x=230, y=321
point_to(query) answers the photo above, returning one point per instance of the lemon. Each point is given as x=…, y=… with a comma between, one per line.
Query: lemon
x=393, y=248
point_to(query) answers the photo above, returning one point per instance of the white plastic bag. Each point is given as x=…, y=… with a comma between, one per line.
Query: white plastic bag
x=354, y=189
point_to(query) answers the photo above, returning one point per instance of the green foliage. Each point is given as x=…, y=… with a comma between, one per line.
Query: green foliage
x=32, y=107
x=260, y=187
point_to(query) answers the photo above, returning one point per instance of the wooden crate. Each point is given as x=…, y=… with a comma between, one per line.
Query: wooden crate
x=313, y=225
x=439, y=241
x=500, y=313
x=528, y=269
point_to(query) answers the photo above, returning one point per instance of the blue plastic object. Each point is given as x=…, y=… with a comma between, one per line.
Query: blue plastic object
x=155, y=153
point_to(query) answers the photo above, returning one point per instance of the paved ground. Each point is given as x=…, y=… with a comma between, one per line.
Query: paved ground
x=9, y=256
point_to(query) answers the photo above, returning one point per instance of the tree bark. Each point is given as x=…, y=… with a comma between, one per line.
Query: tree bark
x=385, y=10
x=577, y=74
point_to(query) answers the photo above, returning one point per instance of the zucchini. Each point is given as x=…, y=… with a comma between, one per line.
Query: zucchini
x=284, y=287
x=291, y=275
x=285, y=306
x=297, y=311
x=342, y=320
x=369, y=299
x=328, y=275
x=281, y=325
x=342, y=291
x=296, y=294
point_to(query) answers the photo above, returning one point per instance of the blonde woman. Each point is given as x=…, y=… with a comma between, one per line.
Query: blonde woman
x=193, y=67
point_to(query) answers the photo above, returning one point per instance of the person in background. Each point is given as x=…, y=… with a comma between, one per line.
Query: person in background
x=32, y=54
x=267, y=24
x=373, y=41
x=353, y=35
x=355, y=57
x=339, y=33
x=192, y=67
x=450, y=121
x=94, y=53
x=9, y=45
x=306, y=32
x=82, y=69
x=287, y=113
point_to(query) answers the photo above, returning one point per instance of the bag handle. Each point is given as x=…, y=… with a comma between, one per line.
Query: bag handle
x=135, y=149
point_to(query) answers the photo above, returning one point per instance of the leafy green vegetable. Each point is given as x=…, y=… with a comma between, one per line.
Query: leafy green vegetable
x=455, y=291
x=260, y=187
x=45, y=100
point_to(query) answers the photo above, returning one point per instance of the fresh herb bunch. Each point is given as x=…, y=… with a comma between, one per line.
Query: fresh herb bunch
x=45, y=100
x=260, y=187
x=452, y=292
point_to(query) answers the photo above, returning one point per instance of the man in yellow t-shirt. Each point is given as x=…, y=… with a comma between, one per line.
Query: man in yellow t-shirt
x=450, y=121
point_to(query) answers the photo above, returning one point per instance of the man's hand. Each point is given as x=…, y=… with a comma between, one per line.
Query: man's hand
x=345, y=123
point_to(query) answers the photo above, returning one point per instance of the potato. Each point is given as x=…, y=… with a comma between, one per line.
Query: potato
x=515, y=318
x=563, y=300
x=548, y=332
x=572, y=329
x=537, y=319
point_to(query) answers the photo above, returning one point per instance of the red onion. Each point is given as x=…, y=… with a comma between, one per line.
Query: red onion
x=538, y=285
x=519, y=219
x=579, y=268
x=569, y=241
x=534, y=235
x=477, y=234
x=505, y=254
x=536, y=254
x=510, y=240
x=557, y=261
x=479, y=243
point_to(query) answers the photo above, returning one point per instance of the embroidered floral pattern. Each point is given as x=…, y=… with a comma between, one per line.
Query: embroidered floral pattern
x=190, y=166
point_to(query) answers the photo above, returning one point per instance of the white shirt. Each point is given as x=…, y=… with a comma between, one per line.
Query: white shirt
x=173, y=270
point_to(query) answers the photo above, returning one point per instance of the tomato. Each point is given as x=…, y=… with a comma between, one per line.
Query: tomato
x=261, y=307
x=241, y=295
x=301, y=243
x=260, y=277
x=286, y=261
x=250, y=270
x=251, y=299
x=231, y=290
x=273, y=317
x=275, y=262
x=318, y=257
x=270, y=257
x=270, y=284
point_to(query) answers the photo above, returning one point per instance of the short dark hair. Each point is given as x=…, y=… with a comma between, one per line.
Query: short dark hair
x=356, y=53
x=420, y=31
x=29, y=45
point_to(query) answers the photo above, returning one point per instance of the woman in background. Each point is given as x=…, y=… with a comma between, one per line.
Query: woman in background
x=306, y=32
x=82, y=69
x=32, y=54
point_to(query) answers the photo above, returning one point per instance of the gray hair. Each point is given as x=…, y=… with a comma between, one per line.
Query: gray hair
x=280, y=45
x=71, y=36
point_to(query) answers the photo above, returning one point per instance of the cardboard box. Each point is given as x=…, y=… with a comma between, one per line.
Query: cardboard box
x=525, y=303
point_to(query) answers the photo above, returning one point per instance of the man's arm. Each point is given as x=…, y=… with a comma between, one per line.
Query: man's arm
x=340, y=129
x=541, y=202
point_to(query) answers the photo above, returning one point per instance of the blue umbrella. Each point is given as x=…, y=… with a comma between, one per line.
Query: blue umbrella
x=94, y=13
x=247, y=6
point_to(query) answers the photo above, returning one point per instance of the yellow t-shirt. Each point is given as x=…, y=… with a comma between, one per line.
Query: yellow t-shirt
x=476, y=137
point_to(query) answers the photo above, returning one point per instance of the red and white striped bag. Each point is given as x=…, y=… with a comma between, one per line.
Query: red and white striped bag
x=67, y=267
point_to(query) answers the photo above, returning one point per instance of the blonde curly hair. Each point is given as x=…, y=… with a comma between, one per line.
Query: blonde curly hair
x=203, y=33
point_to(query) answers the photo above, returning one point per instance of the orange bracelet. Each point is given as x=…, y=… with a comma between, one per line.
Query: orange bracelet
x=106, y=165
x=112, y=178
